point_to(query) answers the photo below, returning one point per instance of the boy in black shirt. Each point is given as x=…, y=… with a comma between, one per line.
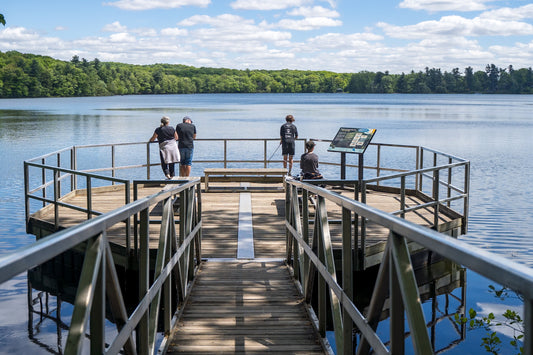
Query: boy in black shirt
x=288, y=134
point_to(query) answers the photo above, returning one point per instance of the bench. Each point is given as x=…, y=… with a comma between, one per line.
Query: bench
x=244, y=173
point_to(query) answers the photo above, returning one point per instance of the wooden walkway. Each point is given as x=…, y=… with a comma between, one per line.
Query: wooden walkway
x=244, y=307
x=247, y=305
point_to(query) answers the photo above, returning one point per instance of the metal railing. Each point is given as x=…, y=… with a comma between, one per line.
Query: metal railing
x=310, y=251
x=178, y=255
x=62, y=173
x=51, y=177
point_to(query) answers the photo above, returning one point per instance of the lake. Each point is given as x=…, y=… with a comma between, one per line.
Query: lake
x=494, y=132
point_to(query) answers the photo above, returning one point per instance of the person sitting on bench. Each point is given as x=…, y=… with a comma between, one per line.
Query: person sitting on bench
x=309, y=162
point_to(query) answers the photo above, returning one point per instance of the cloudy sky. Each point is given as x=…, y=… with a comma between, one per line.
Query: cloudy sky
x=337, y=35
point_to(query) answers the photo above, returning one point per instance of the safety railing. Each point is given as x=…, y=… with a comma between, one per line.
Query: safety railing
x=178, y=255
x=51, y=177
x=310, y=252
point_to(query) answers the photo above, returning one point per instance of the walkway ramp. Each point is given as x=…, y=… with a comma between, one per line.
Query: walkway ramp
x=239, y=307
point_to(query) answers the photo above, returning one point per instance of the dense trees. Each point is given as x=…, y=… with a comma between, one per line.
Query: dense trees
x=28, y=75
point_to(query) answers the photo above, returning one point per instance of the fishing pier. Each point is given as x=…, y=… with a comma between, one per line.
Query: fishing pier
x=242, y=259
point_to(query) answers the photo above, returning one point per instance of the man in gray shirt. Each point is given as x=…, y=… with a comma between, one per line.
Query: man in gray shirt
x=187, y=134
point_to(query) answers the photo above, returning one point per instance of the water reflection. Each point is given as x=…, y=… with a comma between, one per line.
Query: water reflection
x=442, y=290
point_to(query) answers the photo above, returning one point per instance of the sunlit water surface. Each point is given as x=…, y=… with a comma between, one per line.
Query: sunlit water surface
x=494, y=132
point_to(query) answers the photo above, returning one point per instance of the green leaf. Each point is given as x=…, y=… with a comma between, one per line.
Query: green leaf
x=472, y=313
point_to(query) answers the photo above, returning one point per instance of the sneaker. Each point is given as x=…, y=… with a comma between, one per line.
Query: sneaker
x=168, y=176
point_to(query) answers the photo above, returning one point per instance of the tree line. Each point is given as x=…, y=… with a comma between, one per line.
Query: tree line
x=29, y=75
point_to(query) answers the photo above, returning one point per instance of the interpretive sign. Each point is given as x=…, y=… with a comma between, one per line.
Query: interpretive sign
x=352, y=140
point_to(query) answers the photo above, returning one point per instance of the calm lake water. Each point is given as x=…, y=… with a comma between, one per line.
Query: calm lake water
x=494, y=132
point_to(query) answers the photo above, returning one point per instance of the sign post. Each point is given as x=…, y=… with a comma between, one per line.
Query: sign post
x=355, y=141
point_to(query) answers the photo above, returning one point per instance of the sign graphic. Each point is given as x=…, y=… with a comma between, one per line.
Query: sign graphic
x=352, y=140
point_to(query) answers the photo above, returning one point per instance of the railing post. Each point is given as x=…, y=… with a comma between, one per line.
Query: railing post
x=361, y=265
x=59, y=180
x=97, y=319
x=402, y=196
x=397, y=321
x=378, y=163
x=466, y=205
x=410, y=296
x=347, y=278
x=43, y=179
x=421, y=167
x=148, y=161
x=225, y=153
x=128, y=221
x=144, y=270
x=449, y=194
x=73, y=166
x=89, y=198
x=113, y=162
x=56, y=198
x=265, y=153
x=27, y=192
x=436, y=177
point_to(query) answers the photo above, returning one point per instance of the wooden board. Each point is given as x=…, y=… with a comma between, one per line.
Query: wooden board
x=244, y=307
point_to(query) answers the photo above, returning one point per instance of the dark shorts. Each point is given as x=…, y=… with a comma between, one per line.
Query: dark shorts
x=186, y=156
x=287, y=148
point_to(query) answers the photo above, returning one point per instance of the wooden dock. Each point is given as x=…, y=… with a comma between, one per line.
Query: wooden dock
x=238, y=304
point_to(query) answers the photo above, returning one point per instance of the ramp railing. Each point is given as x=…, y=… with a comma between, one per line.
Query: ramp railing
x=178, y=255
x=310, y=252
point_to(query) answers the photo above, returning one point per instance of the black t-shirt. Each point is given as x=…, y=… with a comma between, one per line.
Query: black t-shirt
x=164, y=133
x=309, y=163
x=288, y=133
x=186, y=132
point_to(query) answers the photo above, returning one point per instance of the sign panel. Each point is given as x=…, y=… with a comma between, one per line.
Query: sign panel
x=352, y=140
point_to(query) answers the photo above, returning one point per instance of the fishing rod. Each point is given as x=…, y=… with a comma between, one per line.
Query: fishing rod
x=269, y=159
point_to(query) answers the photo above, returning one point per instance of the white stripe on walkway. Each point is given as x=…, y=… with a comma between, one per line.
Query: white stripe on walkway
x=245, y=244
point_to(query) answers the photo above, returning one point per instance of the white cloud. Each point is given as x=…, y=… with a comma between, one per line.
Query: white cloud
x=499, y=309
x=510, y=14
x=114, y=27
x=174, y=32
x=310, y=23
x=445, y=5
x=122, y=38
x=60, y=28
x=17, y=34
x=268, y=4
x=458, y=26
x=156, y=4
x=315, y=11
x=342, y=41
x=222, y=21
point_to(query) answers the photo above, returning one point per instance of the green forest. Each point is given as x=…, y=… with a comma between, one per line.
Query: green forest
x=29, y=75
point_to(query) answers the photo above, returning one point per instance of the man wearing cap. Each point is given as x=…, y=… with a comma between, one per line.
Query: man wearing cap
x=187, y=134
x=288, y=134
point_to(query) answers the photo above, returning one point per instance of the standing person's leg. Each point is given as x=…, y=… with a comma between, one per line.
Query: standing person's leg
x=186, y=161
x=290, y=150
x=171, y=169
x=285, y=152
x=187, y=170
x=290, y=163
x=164, y=165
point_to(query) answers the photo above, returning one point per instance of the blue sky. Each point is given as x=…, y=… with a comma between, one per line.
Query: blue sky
x=336, y=35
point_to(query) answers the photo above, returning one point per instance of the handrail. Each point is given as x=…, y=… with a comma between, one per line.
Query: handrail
x=47, y=161
x=177, y=259
x=395, y=276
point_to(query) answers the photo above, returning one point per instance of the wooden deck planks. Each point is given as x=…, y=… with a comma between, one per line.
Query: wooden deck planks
x=244, y=307
x=220, y=213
